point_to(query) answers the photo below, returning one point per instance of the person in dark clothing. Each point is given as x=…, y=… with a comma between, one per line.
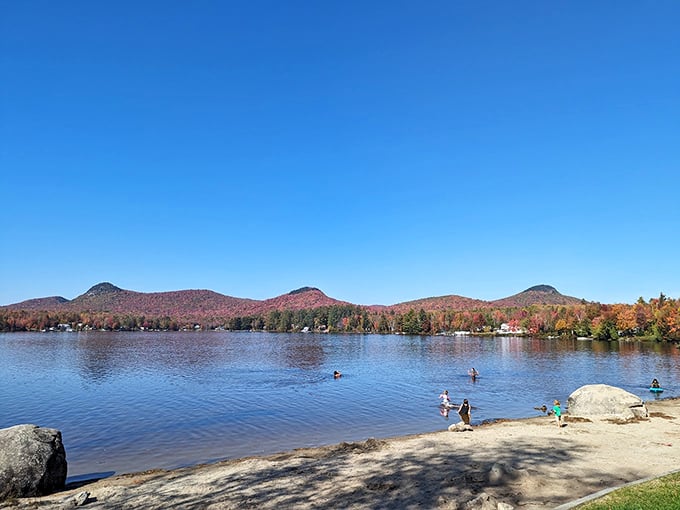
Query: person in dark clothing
x=464, y=411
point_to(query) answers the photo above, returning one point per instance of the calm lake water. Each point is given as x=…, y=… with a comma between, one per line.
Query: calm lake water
x=133, y=401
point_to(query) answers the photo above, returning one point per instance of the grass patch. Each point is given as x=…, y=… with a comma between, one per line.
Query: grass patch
x=659, y=494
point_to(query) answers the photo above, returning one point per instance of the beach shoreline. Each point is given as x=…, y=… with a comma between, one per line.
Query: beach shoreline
x=528, y=463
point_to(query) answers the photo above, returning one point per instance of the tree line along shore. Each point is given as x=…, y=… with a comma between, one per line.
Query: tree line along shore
x=655, y=319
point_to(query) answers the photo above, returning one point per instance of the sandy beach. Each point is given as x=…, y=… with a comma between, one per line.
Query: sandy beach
x=529, y=464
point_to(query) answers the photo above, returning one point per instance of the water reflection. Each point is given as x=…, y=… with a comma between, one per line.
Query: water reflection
x=304, y=351
x=105, y=355
x=97, y=357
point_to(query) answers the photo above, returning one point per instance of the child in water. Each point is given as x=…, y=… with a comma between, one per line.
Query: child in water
x=445, y=398
x=557, y=411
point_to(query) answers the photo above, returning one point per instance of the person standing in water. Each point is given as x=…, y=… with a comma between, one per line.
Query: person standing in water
x=464, y=411
x=446, y=400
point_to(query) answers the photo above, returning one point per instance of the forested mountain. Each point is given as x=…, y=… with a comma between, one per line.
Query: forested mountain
x=106, y=297
x=46, y=303
x=537, y=295
x=431, y=304
x=300, y=299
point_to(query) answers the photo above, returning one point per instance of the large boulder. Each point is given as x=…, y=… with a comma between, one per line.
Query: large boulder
x=603, y=401
x=32, y=461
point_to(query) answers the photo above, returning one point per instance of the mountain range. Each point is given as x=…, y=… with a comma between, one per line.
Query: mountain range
x=106, y=297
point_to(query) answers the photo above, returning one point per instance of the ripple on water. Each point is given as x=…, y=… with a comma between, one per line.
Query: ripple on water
x=134, y=401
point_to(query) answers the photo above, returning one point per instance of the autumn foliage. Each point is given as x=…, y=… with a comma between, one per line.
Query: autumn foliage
x=538, y=311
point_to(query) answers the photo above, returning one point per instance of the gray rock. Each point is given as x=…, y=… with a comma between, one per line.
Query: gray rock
x=482, y=502
x=603, y=401
x=460, y=427
x=498, y=473
x=80, y=498
x=32, y=461
x=447, y=503
x=505, y=506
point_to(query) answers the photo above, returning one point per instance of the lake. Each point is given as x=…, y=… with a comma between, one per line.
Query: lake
x=131, y=401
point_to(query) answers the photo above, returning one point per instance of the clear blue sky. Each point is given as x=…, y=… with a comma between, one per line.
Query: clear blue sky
x=382, y=151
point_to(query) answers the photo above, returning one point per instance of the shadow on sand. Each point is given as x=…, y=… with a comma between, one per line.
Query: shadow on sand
x=325, y=477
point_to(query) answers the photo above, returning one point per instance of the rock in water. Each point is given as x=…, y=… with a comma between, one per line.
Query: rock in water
x=603, y=401
x=460, y=427
x=32, y=461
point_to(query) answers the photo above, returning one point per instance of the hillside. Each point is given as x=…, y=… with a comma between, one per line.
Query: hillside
x=432, y=304
x=46, y=303
x=537, y=295
x=300, y=299
x=106, y=297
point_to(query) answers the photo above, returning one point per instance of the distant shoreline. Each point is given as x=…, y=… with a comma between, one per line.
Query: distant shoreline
x=446, y=334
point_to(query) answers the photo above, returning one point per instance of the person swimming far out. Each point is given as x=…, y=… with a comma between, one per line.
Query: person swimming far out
x=337, y=375
x=473, y=373
x=655, y=383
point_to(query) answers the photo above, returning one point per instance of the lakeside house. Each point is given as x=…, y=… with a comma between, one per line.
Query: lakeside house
x=507, y=329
